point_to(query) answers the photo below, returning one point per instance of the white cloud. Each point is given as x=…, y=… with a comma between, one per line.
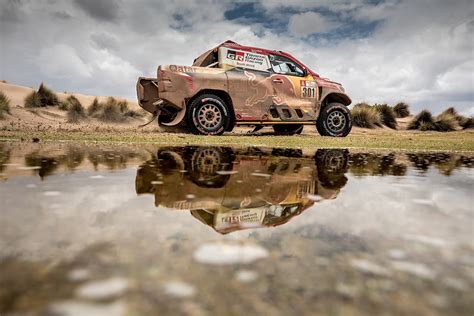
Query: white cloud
x=308, y=23
x=62, y=61
x=420, y=52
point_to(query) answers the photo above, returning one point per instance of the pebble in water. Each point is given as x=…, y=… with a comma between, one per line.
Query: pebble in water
x=74, y=308
x=314, y=197
x=51, y=193
x=246, y=276
x=416, y=269
x=224, y=172
x=79, y=275
x=220, y=253
x=368, y=267
x=103, y=289
x=179, y=289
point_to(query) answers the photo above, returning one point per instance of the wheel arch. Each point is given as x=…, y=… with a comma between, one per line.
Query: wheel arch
x=224, y=95
x=338, y=97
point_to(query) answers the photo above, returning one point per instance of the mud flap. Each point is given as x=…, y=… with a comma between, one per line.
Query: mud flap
x=147, y=94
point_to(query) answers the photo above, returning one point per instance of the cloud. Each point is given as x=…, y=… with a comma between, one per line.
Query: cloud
x=307, y=23
x=385, y=51
x=102, y=10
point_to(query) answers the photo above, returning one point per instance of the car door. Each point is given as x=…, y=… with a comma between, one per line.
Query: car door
x=293, y=88
x=249, y=86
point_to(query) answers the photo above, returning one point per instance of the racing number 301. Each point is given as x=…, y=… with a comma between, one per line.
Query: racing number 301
x=308, y=92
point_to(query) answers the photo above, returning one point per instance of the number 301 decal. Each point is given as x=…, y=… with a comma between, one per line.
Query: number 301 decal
x=307, y=92
x=308, y=88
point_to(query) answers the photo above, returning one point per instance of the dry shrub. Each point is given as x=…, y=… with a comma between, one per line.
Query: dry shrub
x=47, y=96
x=4, y=105
x=401, y=110
x=95, y=107
x=75, y=112
x=366, y=116
x=387, y=115
x=111, y=111
x=423, y=121
x=445, y=122
x=32, y=100
x=467, y=123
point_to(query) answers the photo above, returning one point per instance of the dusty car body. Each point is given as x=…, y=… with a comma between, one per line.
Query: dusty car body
x=231, y=190
x=233, y=85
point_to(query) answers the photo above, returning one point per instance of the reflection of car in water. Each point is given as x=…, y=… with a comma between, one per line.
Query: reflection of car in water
x=233, y=189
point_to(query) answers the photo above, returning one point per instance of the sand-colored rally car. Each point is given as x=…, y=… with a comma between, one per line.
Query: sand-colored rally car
x=233, y=85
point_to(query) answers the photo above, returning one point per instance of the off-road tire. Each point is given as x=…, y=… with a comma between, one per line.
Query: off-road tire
x=332, y=165
x=204, y=165
x=334, y=120
x=208, y=115
x=287, y=129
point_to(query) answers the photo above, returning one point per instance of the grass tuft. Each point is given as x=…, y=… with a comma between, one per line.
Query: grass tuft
x=47, y=96
x=4, y=105
x=95, y=107
x=401, y=110
x=111, y=111
x=387, y=115
x=32, y=100
x=366, y=116
x=446, y=122
x=75, y=112
x=423, y=121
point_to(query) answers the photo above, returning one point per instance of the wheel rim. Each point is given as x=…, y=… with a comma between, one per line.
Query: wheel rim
x=209, y=116
x=336, y=121
x=334, y=161
x=207, y=161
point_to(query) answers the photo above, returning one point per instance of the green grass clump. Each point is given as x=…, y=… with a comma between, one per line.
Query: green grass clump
x=366, y=116
x=4, y=105
x=75, y=112
x=32, y=100
x=387, y=115
x=401, y=110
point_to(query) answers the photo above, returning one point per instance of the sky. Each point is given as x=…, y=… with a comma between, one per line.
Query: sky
x=420, y=51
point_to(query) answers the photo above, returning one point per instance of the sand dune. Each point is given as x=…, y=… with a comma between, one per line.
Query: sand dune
x=51, y=118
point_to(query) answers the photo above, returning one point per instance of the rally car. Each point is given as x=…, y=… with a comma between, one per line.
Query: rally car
x=233, y=84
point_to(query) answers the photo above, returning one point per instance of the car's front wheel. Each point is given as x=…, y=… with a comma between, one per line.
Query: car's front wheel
x=334, y=120
x=208, y=115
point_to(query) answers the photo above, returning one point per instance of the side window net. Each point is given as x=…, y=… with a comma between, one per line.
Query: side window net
x=284, y=66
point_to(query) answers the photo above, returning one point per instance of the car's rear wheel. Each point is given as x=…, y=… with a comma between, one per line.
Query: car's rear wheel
x=287, y=129
x=208, y=115
x=334, y=120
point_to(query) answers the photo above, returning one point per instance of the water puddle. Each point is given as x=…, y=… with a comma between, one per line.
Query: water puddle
x=161, y=230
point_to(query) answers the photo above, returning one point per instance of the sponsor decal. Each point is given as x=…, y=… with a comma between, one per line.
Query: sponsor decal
x=244, y=59
x=235, y=55
x=176, y=68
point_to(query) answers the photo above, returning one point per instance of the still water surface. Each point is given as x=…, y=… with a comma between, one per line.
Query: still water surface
x=150, y=230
